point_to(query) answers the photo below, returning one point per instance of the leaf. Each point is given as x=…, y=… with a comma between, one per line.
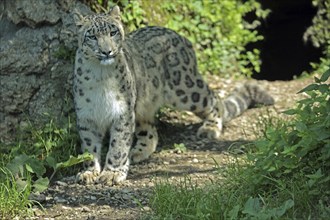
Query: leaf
x=75, y=160
x=290, y=112
x=29, y=168
x=280, y=211
x=300, y=126
x=21, y=184
x=316, y=175
x=16, y=165
x=325, y=76
x=233, y=214
x=41, y=184
x=51, y=162
x=310, y=87
x=324, y=88
x=252, y=207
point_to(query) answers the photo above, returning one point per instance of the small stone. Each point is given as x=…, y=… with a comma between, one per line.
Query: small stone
x=93, y=198
x=85, y=209
x=37, y=197
x=61, y=183
x=178, y=151
x=126, y=197
x=172, y=161
x=66, y=207
x=195, y=160
x=59, y=200
x=146, y=208
x=166, y=163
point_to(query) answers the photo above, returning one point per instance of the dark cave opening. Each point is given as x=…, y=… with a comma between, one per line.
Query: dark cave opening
x=284, y=53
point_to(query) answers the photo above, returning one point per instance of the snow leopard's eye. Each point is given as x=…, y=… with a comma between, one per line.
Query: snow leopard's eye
x=113, y=33
x=91, y=37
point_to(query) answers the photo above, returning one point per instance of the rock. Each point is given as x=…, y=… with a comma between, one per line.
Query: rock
x=37, y=197
x=34, y=77
x=25, y=12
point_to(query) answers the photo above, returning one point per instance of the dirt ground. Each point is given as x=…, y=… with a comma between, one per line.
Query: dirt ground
x=67, y=200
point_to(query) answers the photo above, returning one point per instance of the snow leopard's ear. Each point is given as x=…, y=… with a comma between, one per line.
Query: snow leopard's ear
x=115, y=12
x=78, y=18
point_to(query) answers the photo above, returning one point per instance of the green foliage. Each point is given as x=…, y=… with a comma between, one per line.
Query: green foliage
x=180, y=147
x=302, y=145
x=319, y=33
x=34, y=159
x=219, y=34
x=41, y=152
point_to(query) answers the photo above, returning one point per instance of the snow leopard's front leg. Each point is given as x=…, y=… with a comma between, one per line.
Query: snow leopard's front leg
x=117, y=161
x=91, y=141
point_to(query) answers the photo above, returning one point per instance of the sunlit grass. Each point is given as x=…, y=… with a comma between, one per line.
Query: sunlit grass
x=13, y=198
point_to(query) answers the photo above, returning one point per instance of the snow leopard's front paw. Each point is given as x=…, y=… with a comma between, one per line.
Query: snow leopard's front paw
x=87, y=177
x=112, y=177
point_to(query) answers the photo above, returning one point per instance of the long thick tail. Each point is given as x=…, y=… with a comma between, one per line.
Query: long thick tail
x=245, y=96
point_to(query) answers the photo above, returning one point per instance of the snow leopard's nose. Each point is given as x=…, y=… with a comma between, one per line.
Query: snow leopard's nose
x=106, y=53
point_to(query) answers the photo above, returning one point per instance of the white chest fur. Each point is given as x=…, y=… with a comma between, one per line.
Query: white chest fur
x=98, y=99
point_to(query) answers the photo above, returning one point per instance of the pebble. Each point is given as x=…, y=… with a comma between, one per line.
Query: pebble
x=66, y=207
x=61, y=183
x=166, y=163
x=37, y=197
x=126, y=196
x=37, y=212
x=151, y=184
x=178, y=151
x=172, y=161
x=85, y=209
x=146, y=208
x=195, y=160
x=59, y=200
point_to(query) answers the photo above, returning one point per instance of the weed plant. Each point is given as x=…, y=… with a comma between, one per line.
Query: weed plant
x=32, y=161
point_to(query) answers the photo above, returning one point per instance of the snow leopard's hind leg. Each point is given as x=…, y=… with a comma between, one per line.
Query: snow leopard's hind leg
x=145, y=143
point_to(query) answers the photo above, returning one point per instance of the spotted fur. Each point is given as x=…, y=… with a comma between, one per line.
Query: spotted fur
x=121, y=82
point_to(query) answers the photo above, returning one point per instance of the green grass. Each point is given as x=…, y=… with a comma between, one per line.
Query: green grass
x=238, y=196
x=13, y=198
